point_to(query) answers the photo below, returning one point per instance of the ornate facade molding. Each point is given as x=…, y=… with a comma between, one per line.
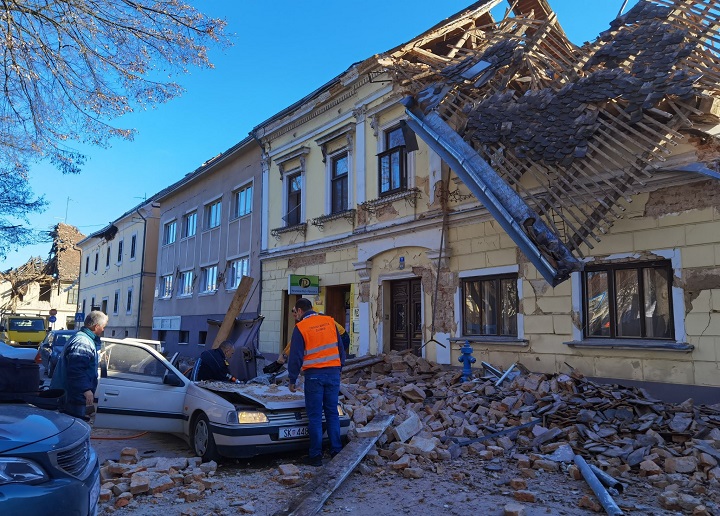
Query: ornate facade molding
x=363, y=269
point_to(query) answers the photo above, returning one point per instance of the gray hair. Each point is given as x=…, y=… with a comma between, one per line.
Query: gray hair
x=226, y=344
x=94, y=318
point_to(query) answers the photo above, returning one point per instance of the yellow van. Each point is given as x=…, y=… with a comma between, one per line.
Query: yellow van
x=25, y=331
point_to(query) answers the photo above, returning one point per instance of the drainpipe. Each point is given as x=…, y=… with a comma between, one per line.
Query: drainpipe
x=142, y=274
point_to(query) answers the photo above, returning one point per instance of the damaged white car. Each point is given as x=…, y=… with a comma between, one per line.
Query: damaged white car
x=139, y=389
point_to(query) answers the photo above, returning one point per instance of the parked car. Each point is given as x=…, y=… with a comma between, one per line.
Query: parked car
x=25, y=331
x=46, y=463
x=9, y=351
x=51, y=347
x=139, y=389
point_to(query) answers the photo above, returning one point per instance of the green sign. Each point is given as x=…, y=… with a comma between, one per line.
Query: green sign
x=299, y=284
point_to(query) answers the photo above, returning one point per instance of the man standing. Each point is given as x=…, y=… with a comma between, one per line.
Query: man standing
x=316, y=348
x=79, y=375
x=215, y=363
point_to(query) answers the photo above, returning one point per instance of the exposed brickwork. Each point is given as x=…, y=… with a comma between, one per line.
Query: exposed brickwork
x=297, y=262
x=677, y=199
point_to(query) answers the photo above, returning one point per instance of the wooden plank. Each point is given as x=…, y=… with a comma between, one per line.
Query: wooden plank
x=364, y=363
x=312, y=497
x=236, y=305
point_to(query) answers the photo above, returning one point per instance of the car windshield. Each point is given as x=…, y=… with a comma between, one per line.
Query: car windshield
x=60, y=340
x=26, y=325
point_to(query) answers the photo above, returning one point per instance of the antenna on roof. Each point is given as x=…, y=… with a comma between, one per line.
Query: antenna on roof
x=623, y=7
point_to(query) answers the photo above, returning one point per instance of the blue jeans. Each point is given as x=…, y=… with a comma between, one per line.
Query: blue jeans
x=74, y=410
x=321, y=395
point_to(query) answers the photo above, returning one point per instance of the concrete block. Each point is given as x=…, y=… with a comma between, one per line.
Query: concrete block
x=485, y=243
x=697, y=324
x=550, y=304
x=563, y=326
x=633, y=224
x=705, y=348
x=706, y=233
x=698, y=256
x=538, y=324
x=659, y=238
x=613, y=367
x=668, y=371
x=707, y=373
x=471, y=261
x=686, y=217
x=501, y=257
x=612, y=243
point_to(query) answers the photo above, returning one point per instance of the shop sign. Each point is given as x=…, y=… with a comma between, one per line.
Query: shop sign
x=303, y=285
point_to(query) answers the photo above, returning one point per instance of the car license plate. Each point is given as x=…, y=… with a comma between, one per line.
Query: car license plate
x=94, y=495
x=291, y=432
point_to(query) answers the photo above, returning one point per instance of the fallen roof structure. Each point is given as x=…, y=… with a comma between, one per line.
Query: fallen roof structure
x=552, y=137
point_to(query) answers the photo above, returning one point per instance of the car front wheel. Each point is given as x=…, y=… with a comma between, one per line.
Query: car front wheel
x=202, y=439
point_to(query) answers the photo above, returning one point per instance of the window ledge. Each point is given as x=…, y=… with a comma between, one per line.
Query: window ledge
x=348, y=215
x=298, y=228
x=410, y=196
x=661, y=345
x=489, y=339
x=207, y=293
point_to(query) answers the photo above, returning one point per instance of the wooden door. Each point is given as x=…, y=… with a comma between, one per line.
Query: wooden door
x=406, y=315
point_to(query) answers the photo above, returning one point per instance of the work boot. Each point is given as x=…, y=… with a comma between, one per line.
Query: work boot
x=315, y=461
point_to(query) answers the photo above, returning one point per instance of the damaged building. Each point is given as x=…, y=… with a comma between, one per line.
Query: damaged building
x=39, y=286
x=491, y=182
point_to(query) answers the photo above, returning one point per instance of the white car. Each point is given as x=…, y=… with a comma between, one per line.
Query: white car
x=141, y=390
x=16, y=352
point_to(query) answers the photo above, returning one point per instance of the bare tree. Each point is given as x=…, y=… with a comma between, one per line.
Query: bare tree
x=69, y=67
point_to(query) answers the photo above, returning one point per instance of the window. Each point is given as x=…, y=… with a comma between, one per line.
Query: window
x=189, y=224
x=490, y=305
x=97, y=257
x=392, y=163
x=116, y=302
x=186, y=283
x=87, y=264
x=628, y=300
x=107, y=257
x=209, y=279
x=183, y=337
x=238, y=269
x=202, y=337
x=133, y=246
x=294, y=200
x=45, y=292
x=169, y=233
x=339, y=184
x=83, y=306
x=104, y=306
x=120, y=251
x=72, y=297
x=92, y=304
x=242, y=200
x=213, y=212
x=128, y=303
x=166, y=284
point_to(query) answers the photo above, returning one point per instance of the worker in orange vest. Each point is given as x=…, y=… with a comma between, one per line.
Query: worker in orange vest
x=316, y=348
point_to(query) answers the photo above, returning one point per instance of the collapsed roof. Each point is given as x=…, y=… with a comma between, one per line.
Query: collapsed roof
x=551, y=137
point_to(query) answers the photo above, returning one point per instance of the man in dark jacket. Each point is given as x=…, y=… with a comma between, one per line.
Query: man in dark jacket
x=80, y=375
x=215, y=363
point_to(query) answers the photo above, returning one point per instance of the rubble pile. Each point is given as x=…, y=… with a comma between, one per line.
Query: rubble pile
x=176, y=478
x=541, y=422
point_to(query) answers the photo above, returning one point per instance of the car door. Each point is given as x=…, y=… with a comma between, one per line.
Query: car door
x=139, y=389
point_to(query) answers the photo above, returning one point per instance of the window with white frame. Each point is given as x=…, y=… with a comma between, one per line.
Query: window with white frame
x=87, y=264
x=169, y=232
x=186, y=283
x=97, y=257
x=238, y=269
x=107, y=257
x=392, y=162
x=72, y=297
x=133, y=246
x=120, y=252
x=490, y=306
x=293, y=212
x=242, y=201
x=209, y=278
x=628, y=300
x=339, y=183
x=128, y=300
x=189, y=224
x=116, y=302
x=166, y=285
x=213, y=212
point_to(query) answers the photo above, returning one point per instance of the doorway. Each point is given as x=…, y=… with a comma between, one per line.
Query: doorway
x=406, y=315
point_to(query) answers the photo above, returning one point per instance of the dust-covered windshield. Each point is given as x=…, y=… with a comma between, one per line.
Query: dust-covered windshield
x=26, y=325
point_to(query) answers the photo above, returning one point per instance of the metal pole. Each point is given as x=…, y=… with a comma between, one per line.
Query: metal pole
x=607, y=480
x=502, y=378
x=600, y=492
x=623, y=7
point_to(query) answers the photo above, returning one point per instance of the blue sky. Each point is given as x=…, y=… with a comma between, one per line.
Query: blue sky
x=282, y=51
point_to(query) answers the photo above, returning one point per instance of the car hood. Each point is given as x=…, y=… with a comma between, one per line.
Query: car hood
x=272, y=397
x=21, y=425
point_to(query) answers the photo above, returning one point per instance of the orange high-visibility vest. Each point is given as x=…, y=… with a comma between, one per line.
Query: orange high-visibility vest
x=321, y=343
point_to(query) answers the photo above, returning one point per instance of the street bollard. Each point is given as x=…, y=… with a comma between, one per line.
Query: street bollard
x=467, y=360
